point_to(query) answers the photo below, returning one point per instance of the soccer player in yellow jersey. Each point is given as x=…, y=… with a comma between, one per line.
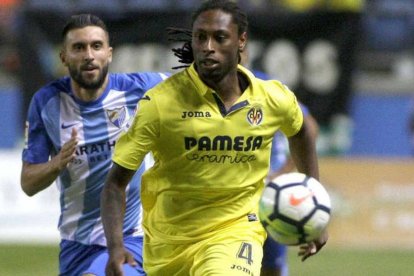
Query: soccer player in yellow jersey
x=210, y=129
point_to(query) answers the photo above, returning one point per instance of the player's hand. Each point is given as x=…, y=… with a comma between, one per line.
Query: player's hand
x=67, y=152
x=313, y=247
x=116, y=259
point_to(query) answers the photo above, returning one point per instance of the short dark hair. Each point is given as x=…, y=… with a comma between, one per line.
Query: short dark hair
x=185, y=52
x=83, y=20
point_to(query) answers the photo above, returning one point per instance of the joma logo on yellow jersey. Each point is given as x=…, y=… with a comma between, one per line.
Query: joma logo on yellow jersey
x=195, y=114
x=237, y=143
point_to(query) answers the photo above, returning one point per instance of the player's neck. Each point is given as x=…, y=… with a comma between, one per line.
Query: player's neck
x=88, y=95
x=230, y=88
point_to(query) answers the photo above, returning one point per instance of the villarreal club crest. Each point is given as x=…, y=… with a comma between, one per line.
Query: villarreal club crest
x=255, y=115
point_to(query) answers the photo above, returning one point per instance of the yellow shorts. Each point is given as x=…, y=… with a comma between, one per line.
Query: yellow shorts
x=229, y=252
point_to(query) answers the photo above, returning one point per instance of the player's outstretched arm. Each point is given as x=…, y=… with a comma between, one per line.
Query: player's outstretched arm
x=112, y=213
x=303, y=151
x=289, y=164
x=37, y=177
x=302, y=147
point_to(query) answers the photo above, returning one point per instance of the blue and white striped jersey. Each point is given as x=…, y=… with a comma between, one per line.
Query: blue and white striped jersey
x=53, y=112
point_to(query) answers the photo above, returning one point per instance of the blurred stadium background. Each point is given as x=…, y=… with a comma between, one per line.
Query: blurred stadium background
x=350, y=61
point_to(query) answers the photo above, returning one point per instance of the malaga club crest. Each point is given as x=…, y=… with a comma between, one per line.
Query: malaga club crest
x=117, y=116
x=255, y=115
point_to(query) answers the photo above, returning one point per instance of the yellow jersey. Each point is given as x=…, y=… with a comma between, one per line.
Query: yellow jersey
x=210, y=164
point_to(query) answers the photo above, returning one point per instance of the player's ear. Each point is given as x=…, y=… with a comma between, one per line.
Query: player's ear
x=110, y=51
x=242, y=41
x=62, y=56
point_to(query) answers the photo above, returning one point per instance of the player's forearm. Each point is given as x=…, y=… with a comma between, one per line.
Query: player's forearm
x=37, y=177
x=112, y=212
x=113, y=205
x=303, y=152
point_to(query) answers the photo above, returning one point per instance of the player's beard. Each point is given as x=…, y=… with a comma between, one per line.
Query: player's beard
x=76, y=75
x=217, y=74
x=210, y=76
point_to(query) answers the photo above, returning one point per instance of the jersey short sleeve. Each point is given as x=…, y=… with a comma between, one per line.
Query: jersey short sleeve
x=294, y=116
x=37, y=143
x=134, y=144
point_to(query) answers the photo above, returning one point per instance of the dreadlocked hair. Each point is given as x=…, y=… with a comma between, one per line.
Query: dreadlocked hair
x=185, y=52
x=230, y=7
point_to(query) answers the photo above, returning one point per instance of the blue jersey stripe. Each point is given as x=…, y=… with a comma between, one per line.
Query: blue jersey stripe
x=97, y=157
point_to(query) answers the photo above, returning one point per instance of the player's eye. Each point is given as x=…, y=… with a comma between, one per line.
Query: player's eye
x=97, y=46
x=220, y=37
x=200, y=36
x=78, y=47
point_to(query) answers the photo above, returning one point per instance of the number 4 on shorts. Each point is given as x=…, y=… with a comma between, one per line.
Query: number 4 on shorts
x=245, y=252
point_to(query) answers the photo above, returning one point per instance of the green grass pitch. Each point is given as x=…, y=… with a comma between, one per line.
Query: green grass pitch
x=37, y=260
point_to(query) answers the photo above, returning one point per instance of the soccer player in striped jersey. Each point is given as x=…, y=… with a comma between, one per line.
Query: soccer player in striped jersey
x=72, y=127
x=210, y=129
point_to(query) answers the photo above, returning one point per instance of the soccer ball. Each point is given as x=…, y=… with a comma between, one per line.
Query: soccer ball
x=294, y=208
